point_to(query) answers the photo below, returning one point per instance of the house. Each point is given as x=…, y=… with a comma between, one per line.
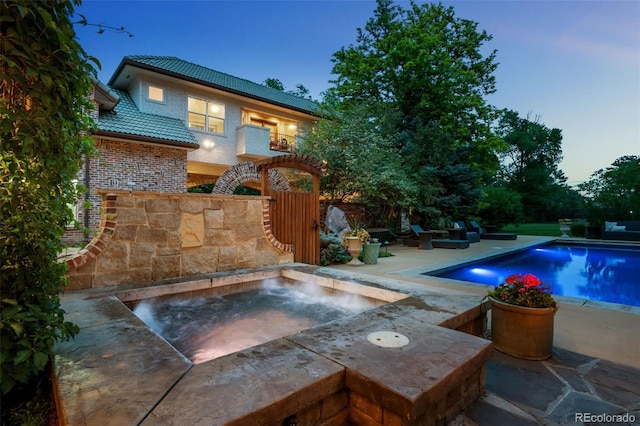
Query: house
x=165, y=124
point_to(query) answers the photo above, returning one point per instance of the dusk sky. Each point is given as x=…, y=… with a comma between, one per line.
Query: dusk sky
x=573, y=64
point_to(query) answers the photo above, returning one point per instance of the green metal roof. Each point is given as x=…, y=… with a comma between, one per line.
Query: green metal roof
x=171, y=65
x=125, y=119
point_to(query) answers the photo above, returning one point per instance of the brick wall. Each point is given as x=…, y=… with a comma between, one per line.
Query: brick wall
x=139, y=167
x=195, y=179
x=126, y=165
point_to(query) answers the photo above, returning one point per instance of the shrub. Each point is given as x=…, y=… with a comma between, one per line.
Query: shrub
x=331, y=250
x=579, y=230
x=46, y=77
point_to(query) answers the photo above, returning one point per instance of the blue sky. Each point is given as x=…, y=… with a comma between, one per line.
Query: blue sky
x=573, y=64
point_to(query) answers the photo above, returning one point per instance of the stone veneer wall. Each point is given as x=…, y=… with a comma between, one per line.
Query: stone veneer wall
x=148, y=236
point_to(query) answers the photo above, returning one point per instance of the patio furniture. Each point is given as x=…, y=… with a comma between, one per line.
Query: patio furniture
x=455, y=233
x=626, y=231
x=424, y=236
x=425, y=240
x=382, y=234
x=485, y=235
x=450, y=244
x=440, y=243
x=466, y=233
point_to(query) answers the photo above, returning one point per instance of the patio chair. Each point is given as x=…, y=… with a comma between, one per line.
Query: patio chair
x=441, y=242
x=466, y=234
x=492, y=235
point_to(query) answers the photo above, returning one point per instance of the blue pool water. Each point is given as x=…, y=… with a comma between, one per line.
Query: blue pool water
x=588, y=272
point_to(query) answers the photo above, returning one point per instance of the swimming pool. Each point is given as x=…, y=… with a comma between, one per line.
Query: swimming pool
x=594, y=272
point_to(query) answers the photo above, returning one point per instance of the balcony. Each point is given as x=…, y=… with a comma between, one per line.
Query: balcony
x=282, y=142
x=257, y=142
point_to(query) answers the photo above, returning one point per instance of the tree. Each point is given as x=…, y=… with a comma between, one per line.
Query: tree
x=500, y=206
x=422, y=77
x=46, y=77
x=274, y=83
x=299, y=91
x=614, y=192
x=361, y=165
x=530, y=165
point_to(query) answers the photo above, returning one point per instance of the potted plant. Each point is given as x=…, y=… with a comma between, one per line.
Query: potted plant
x=565, y=226
x=522, y=313
x=353, y=240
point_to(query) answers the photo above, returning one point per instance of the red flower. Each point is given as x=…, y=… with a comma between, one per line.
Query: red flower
x=531, y=280
x=513, y=279
x=524, y=290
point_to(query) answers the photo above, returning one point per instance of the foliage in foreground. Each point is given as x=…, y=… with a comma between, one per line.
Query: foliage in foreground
x=46, y=77
x=30, y=404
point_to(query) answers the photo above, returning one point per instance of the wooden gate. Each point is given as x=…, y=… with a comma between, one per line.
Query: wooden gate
x=294, y=220
x=295, y=216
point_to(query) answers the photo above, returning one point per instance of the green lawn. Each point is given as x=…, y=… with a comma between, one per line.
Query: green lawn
x=550, y=229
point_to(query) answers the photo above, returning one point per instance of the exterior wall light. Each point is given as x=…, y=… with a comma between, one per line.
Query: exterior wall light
x=208, y=145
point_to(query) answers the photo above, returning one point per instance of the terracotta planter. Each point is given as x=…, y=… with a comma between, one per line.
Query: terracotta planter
x=354, y=247
x=522, y=332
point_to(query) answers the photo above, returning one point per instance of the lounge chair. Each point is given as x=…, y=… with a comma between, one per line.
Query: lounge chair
x=466, y=233
x=439, y=242
x=492, y=235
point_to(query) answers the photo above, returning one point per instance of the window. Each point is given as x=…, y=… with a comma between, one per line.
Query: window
x=155, y=93
x=206, y=115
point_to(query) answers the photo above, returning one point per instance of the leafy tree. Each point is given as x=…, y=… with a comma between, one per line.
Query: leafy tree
x=423, y=79
x=614, y=192
x=361, y=164
x=300, y=90
x=500, y=206
x=45, y=79
x=531, y=165
x=274, y=83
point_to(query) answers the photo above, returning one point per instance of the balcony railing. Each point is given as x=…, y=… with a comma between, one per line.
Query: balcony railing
x=282, y=142
x=255, y=142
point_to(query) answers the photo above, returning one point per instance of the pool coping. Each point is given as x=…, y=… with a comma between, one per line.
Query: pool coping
x=425, y=271
x=117, y=371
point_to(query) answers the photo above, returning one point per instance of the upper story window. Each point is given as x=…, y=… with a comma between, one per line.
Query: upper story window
x=155, y=93
x=206, y=115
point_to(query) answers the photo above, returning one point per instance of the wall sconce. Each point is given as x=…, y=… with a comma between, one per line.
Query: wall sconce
x=208, y=145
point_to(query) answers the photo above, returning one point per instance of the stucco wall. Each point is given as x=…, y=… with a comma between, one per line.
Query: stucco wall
x=147, y=236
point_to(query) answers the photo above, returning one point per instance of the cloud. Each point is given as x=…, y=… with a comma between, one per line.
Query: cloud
x=603, y=30
x=599, y=49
